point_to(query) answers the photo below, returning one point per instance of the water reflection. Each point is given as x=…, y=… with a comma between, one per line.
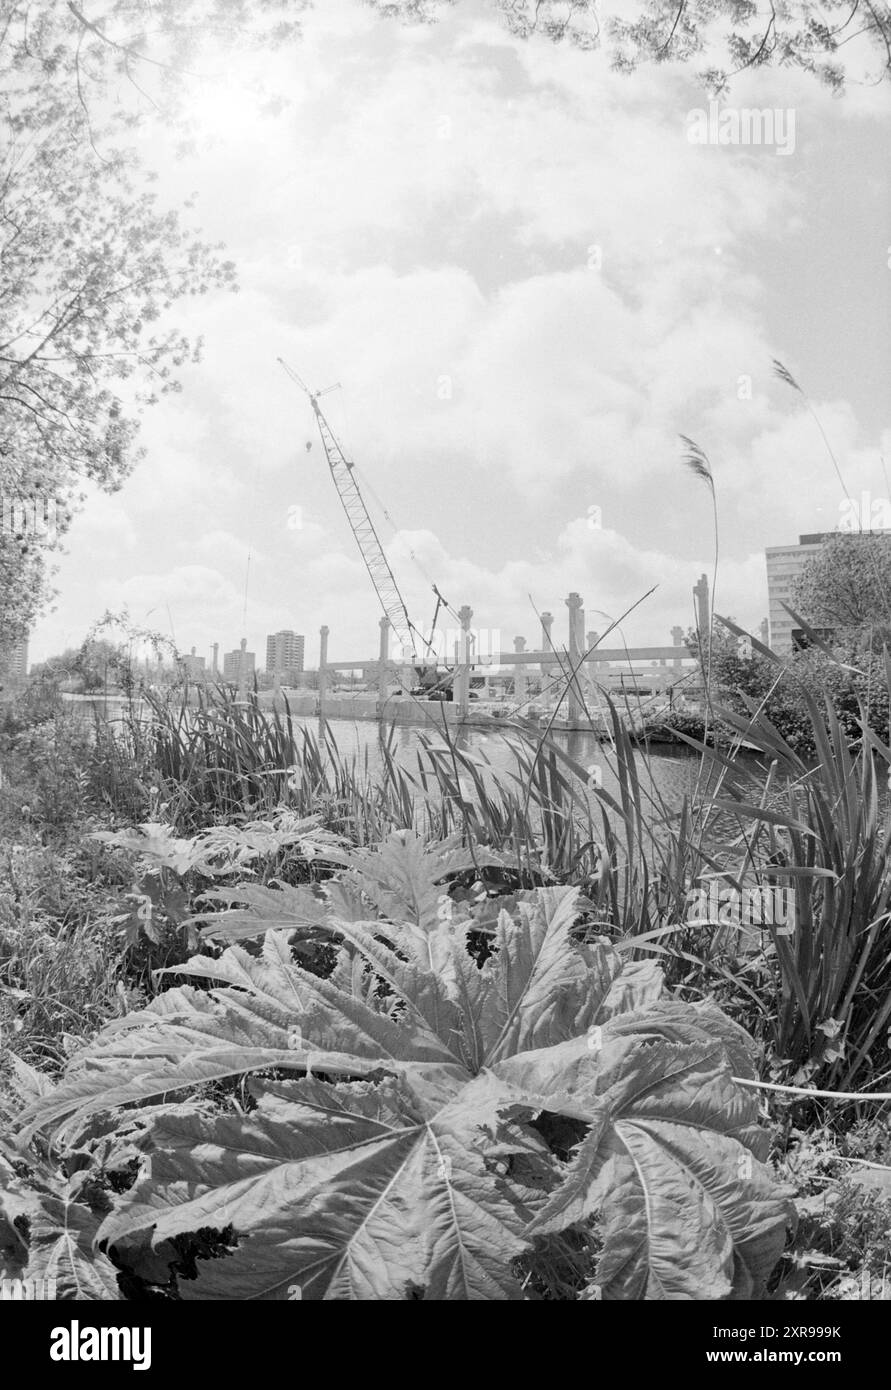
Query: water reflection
x=667, y=772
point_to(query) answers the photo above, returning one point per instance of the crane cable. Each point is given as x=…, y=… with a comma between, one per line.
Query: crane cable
x=396, y=529
x=359, y=474
x=252, y=521
x=441, y=602
x=367, y=486
x=247, y=580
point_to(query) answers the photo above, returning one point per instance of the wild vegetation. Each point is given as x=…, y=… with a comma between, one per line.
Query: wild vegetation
x=463, y=1015
x=276, y=1023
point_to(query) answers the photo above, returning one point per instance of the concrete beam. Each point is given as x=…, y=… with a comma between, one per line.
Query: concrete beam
x=599, y=654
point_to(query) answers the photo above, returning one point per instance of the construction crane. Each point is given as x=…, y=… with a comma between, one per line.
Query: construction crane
x=382, y=577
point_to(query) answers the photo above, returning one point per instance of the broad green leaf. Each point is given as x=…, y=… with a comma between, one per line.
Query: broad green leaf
x=402, y=1185
x=343, y=1197
x=61, y=1241
x=153, y=841
x=403, y=877
x=539, y=987
x=47, y=1233
x=260, y=909
x=689, y=1210
x=267, y=1013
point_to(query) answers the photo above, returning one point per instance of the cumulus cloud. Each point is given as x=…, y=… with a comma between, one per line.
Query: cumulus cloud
x=528, y=283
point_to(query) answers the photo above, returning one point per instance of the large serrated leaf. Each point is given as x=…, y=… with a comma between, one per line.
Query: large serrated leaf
x=260, y=909
x=671, y=1160
x=400, y=1185
x=61, y=1243
x=345, y=1199
x=539, y=987
x=403, y=876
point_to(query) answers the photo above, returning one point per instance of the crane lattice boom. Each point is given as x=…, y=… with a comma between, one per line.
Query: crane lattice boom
x=367, y=539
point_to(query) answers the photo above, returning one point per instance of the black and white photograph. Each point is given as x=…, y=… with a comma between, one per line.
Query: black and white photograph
x=445, y=667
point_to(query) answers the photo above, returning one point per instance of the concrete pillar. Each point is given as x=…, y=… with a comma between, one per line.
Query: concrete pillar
x=703, y=615
x=677, y=637
x=520, y=673
x=574, y=700
x=547, y=620
x=323, y=663
x=242, y=671
x=592, y=663
x=383, y=655
x=462, y=673
x=579, y=629
x=765, y=632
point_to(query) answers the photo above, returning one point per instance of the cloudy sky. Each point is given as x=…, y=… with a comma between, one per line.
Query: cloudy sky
x=528, y=282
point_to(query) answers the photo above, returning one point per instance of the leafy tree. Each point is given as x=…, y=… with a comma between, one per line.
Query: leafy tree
x=811, y=35
x=91, y=664
x=90, y=262
x=57, y=669
x=853, y=681
x=733, y=669
x=111, y=61
x=846, y=585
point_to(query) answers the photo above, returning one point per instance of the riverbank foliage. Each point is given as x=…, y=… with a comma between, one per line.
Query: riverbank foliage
x=238, y=963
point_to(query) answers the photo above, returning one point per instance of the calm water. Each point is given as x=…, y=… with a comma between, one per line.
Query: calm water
x=669, y=773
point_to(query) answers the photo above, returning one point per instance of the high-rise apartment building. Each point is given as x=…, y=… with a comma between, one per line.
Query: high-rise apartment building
x=195, y=666
x=14, y=662
x=284, y=652
x=784, y=564
x=232, y=665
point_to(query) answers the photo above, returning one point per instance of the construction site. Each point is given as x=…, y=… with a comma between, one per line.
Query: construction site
x=468, y=675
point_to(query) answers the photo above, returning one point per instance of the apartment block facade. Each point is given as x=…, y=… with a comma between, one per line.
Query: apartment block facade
x=232, y=665
x=284, y=652
x=14, y=662
x=784, y=564
x=195, y=666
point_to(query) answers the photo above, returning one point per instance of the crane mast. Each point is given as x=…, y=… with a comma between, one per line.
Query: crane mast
x=362, y=526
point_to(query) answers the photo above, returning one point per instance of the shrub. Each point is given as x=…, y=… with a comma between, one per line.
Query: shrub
x=398, y=1137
